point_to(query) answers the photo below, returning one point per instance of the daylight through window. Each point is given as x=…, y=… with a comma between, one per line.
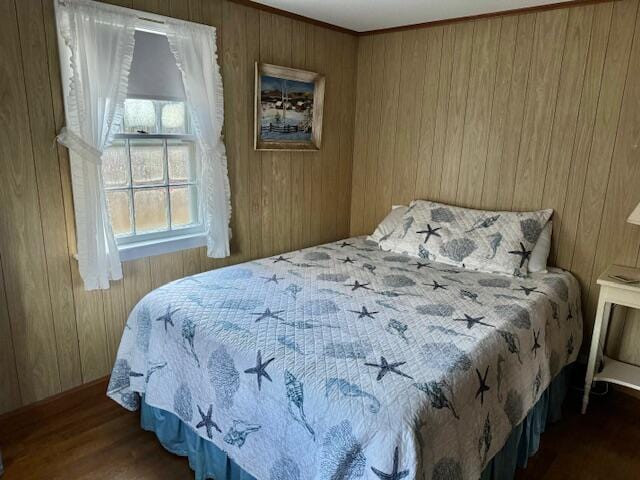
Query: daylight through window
x=150, y=173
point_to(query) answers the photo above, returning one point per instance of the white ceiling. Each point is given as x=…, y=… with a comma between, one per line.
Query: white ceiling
x=364, y=15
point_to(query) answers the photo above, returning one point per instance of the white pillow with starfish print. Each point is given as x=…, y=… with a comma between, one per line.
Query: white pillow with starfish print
x=490, y=241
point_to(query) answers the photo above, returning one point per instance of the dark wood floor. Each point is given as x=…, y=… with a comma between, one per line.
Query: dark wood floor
x=86, y=436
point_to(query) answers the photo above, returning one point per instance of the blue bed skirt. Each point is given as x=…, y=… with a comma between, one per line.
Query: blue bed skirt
x=209, y=462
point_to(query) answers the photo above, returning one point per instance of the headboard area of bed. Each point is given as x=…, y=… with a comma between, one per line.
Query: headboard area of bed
x=491, y=114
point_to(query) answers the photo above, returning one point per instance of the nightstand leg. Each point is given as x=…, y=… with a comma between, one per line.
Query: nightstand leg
x=599, y=331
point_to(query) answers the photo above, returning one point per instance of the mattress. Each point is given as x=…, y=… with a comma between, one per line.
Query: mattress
x=343, y=361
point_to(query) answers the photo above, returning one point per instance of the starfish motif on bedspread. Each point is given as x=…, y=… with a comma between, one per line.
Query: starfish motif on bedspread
x=273, y=278
x=536, y=343
x=523, y=253
x=420, y=265
x=345, y=244
x=483, y=384
x=430, y=231
x=395, y=474
x=268, y=314
x=260, y=369
x=364, y=313
x=346, y=260
x=437, y=285
x=386, y=367
x=207, y=422
x=528, y=290
x=356, y=285
x=471, y=321
x=166, y=318
x=281, y=259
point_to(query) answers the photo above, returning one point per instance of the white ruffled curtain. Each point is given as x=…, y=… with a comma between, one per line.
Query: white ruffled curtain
x=194, y=47
x=96, y=50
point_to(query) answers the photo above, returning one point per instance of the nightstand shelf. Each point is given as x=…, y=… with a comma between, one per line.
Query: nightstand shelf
x=612, y=292
x=618, y=372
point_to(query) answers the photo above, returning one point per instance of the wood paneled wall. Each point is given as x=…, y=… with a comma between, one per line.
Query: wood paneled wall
x=53, y=334
x=517, y=112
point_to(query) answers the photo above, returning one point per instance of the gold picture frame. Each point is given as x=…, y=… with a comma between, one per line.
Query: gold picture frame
x=288, y=108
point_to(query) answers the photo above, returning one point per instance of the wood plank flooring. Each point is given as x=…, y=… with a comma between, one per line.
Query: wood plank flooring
x=86, y=436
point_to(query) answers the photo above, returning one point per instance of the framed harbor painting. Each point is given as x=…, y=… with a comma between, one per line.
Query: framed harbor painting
x=288, y=108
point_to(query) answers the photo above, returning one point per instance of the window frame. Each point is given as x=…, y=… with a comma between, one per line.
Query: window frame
x=138, y=245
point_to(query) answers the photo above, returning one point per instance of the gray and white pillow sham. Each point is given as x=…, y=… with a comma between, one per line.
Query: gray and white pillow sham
x=387, y=226
x=491, y=241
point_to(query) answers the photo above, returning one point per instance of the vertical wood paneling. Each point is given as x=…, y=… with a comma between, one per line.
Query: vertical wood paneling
x=381, y=125
x=362, y=112
x=346, y=101
x=478, y=116
x=115, y=317
x=34, y=55
x=539, y=108
x=25, y=272
x=329, y=152
x=53, y=334
x=409, y=113
x=314, y=164
x=165, y=268
x=515, y=113
x=605, y=131
x=385, y=140
x=521, y=112
x=252, y=27
x=563, y=135
x=238, y=94
x=499, y=111
x=464, y=35
x=425, y=155
x=618, y=240
x=434, y=176
x=10, y=397
x=569, y=210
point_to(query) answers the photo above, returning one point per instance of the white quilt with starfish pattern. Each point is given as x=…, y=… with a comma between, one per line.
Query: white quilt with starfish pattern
x=343, y=361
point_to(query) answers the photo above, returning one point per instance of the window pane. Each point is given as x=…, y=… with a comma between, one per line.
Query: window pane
x=151, y=209
x=139, y=115
x=183, y=206
x=147, y=161
x=115, y=166
x=174, y=118
x=120, y=211
x=180, y=156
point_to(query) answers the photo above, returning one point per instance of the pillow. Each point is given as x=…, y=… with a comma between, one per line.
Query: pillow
x=540, y=254
x=500, y=242
x=389, y=224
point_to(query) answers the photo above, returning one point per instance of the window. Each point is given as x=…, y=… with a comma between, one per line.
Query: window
x=150, y=173
x=144, y=182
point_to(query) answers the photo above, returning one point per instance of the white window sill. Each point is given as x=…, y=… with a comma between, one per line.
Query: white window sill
x=150, y=248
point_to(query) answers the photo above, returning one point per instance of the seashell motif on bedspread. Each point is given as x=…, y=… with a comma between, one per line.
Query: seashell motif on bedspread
x=458, y=249
x=341, y=456
x=296, y=363
x=224, y=377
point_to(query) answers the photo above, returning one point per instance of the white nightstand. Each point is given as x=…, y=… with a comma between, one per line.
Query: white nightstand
x=618, y=293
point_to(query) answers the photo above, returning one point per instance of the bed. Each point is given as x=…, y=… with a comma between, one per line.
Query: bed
x=343, y=361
